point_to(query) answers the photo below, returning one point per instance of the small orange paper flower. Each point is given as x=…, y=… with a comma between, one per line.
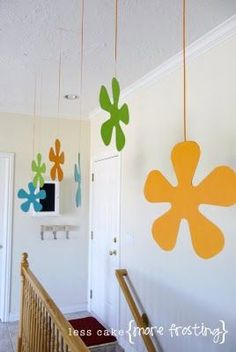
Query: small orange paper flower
x=57, y=157
x=218, y=188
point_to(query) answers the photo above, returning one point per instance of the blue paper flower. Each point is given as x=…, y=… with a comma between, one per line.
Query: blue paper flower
x=77, y=175
x=32, y=197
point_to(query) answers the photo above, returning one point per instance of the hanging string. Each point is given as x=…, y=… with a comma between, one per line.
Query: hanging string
x=59, y=92
x=81, y=69
x=116, y=35
x=81, y=55
x=34, y=115
x=40, y=109
x=184, y=70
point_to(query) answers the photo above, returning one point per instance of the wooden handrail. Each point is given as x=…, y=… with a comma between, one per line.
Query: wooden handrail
x=43, y=308
x=141, y=320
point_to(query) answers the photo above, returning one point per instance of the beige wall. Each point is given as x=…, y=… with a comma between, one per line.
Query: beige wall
x=179, y=287
x=61, y=265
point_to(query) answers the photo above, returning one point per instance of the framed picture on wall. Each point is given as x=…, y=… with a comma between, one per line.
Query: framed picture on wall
x=51, y=204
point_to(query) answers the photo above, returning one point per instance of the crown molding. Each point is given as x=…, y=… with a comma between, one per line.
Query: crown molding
x=208, y=41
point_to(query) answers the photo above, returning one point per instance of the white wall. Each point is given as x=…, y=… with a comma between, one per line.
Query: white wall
x=60, y=265
x=178, y=286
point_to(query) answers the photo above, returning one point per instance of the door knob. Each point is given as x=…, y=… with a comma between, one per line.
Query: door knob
x=1, y=246
x=113, y=252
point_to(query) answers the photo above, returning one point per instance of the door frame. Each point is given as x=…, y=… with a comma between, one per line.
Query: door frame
x=100, y=157
x=7, y=241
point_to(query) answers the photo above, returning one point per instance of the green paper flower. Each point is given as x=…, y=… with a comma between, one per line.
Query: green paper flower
x=117, y=115
x=39, y=169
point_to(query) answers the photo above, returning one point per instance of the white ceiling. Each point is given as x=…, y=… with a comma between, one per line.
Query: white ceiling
x=30, y=37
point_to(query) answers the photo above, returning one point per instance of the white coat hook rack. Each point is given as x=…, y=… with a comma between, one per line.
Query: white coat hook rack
x=53, y=230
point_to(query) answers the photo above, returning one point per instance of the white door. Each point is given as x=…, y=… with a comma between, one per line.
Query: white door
x=6, y=190
x=105, y=242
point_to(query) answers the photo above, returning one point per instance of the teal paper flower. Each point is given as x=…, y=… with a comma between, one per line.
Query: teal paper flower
x=117, y=115
x=32, y=198
x=77, y=176
x=39, y=169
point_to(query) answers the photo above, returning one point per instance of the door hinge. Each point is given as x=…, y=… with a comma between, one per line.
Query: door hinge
x=91, y=294
x=91, y=235
x=92, y=177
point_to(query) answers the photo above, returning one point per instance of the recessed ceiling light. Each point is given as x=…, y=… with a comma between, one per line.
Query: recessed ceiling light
x=71, y=97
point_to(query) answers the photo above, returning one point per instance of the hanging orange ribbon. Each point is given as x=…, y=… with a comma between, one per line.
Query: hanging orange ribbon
x=218, y=188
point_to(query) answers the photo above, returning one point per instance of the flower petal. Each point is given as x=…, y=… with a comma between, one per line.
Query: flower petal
x=78, y=197
x=25, y=206
x=77, y=175
x=124, y=114
x=219, y=187
x=35, y=180
x=207, y=238
x=120, y=138
x=37, y=206
x=22, y=194
x=106, y=131
x=41, y=194
x=60, y=174
x=61, y=159
x=53, y=172
x=31, y=188
x=104, y=99
x=51, y=154
x=43, y=168
x=41, y=180
x=185, y=157
x=157, y=188
x=165, y=230
x=39, y=158
x=115, y=91
x=57, y=146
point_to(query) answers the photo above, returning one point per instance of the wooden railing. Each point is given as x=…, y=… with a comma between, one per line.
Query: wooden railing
x=140, y=319
x=43, y=327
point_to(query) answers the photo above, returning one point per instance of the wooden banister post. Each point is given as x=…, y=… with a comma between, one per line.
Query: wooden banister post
x=24, y=265
x=24, y=261
x=42, y=326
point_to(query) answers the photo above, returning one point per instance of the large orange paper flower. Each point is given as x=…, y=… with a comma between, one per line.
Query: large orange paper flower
x=218, y=188
x=58, y=158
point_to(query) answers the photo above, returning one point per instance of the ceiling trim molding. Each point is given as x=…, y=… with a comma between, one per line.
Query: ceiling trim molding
x=208, y=41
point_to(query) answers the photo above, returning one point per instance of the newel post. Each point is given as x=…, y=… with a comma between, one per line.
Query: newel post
x=24, y=266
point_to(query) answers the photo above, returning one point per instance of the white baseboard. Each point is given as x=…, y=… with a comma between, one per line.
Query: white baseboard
x=65, y=310
x=13, y=317
x=74, y=309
